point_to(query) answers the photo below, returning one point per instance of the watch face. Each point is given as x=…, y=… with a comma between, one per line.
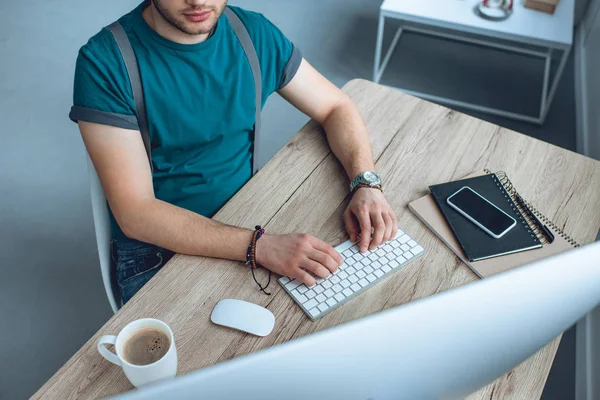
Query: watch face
x=372, y=178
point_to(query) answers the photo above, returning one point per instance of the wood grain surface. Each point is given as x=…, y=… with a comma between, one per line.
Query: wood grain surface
x=304, y=189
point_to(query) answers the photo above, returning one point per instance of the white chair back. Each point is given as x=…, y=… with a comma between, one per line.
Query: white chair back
x=103, y=236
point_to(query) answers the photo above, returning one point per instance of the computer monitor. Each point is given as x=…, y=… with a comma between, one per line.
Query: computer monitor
x=444, y=346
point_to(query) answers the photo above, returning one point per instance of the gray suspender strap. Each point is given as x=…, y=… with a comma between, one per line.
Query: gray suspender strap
x=246, y=42
x=135, y=80
x=133, y=72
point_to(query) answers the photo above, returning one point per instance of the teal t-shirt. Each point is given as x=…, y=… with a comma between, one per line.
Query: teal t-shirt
x=199, y=99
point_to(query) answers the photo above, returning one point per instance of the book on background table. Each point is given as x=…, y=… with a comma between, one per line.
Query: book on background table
x=427, y=210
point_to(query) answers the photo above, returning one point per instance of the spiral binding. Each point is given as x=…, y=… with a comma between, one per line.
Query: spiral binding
x=530, y=211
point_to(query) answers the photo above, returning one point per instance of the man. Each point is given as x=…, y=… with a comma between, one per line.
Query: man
x=199, y=96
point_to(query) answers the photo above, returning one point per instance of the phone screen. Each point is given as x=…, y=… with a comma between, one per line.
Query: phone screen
x=481, y=211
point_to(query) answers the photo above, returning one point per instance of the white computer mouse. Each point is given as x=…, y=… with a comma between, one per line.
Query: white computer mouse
x=244, y=316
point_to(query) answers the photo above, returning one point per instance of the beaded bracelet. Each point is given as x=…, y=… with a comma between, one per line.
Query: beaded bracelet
x=251, y=257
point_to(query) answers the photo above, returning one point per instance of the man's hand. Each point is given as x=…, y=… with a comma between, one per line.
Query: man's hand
x=294, y=255
x=370, y=209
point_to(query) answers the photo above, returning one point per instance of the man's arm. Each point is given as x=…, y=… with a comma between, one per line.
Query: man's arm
x=348, y=138
x=120, y=159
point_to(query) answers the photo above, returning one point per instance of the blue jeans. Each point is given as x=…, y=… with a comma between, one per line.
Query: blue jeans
x=136, y=263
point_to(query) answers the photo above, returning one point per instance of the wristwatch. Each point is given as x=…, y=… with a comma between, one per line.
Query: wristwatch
x=366, y=179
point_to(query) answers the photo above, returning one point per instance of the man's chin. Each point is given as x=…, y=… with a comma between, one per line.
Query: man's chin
x=199, y=28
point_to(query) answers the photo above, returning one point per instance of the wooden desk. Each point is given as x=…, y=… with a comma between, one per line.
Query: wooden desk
x=304, y=189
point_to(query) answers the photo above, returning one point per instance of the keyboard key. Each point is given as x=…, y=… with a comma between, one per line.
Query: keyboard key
x=319, y=280
x=394, y=264
x=351, y=270
x=343, y=275
x=323, y=307
x=353, y=279
x=398, y=252
x=405, y=247
x=412, y=243
x=378, y=273
x=327, y=284
x=401, y=259
x=310, y=304
x=390, y=256
x=293, y=285
x=347, y=253
x=364, y=262
x=371, y=277
x=416, y=250
x=354, y=249
x=395, y=244
x=328, y=293
x=310, y=294
x=403, y=239
x=386, y=269
x=358, y=257
x=337, y=288
x=335, y=280
x=319, y=289
x=387, y=247
x=284, y=280
x=373, y=257
x=356, y=287
x=363, y=282
x=300, y=297
x=400, y=233
x=350, y=261
x=361, y=274
x=331, y=302
x=380, y=252
x=302, y=289
x=314, y=312
x=408, y=255
x=346, y=283
x=340, y=296
x=376, y=265
x=347, y=292
x=368, y=269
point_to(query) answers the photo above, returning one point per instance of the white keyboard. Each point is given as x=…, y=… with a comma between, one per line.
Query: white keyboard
x=359, y=272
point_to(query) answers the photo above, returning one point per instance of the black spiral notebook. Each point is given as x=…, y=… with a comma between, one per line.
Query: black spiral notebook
x=476, y=243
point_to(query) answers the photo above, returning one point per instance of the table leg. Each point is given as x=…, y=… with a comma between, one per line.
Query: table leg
x=380, y=66
x=555, y=81
x=545, y=83
x=378, y=45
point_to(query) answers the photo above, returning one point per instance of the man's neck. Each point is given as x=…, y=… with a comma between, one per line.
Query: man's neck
x=168, y=31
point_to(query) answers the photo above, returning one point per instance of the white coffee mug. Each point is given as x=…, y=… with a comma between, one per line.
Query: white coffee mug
x=140, y=375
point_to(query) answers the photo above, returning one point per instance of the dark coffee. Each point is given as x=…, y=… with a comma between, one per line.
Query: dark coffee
x=146, y=346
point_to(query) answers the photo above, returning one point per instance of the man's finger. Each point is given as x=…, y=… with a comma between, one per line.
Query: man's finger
x=395, y=224
x=316, y=268
x=325, y=248
x=365, y=230
x=389, y=225
x=378, y=229
x=304, y=277
x=351, y=227
x=325, y=260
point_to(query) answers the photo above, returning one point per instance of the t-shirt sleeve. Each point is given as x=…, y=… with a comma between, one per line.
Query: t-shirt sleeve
x=279, y=57
x=287, y=56
x=100, y=92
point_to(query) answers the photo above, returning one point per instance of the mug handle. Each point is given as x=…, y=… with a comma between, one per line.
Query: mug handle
x=109, y=355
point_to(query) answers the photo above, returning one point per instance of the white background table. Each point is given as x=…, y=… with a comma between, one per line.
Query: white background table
x=526, y=31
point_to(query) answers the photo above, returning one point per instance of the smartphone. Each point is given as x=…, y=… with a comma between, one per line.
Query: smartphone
x=481, y=212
